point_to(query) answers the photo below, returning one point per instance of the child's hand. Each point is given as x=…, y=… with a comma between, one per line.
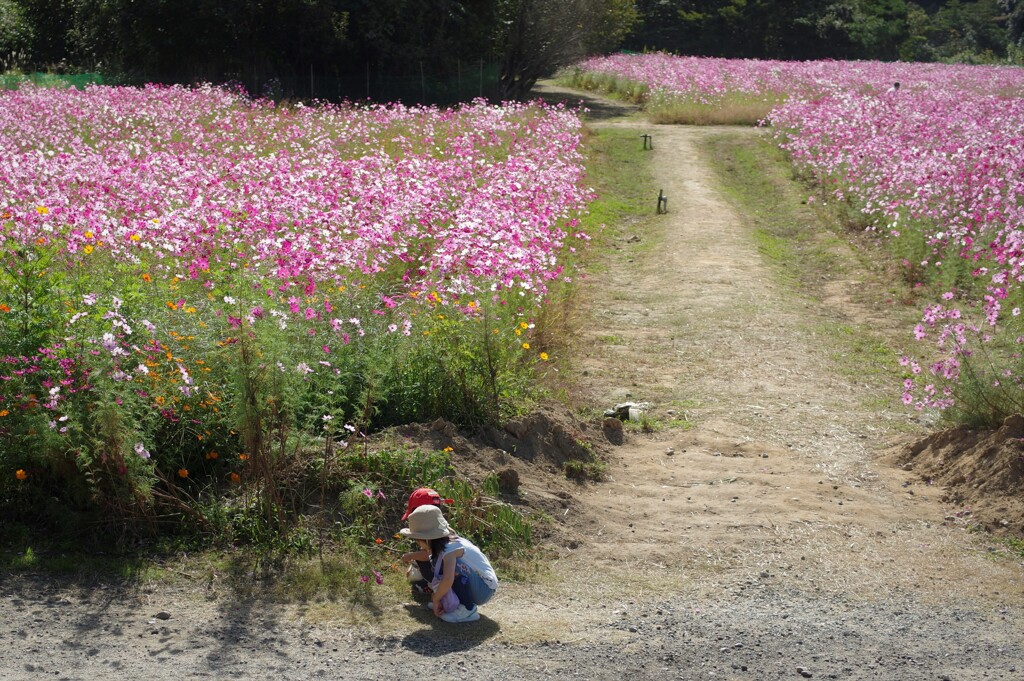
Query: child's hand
x=438, y=608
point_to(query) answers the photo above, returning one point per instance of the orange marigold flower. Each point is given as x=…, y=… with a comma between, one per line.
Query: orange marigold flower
x=235, y=478
x=182, y=472
x=378, y=540
x=243, y=457
x=20, y=474
x=4, y=412
x=146, y=278
x=4, y=308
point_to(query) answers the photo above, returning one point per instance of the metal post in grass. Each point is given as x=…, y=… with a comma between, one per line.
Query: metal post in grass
x=648, y=141
x=662, y=202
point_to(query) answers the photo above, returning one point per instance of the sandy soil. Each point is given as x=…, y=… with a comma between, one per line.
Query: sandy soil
x=770, y=541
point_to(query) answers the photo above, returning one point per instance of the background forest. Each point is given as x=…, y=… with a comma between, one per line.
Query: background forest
x=448, y=50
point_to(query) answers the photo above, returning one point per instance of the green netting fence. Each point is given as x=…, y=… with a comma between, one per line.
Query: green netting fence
x=467, y=81
x=79, y=80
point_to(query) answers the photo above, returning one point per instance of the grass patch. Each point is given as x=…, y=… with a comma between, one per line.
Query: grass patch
x=808, y=246
x=585, y=471
x=756, y=175
x=732, y=109
x=625, y=89
x=859, y=353
x=619, y=171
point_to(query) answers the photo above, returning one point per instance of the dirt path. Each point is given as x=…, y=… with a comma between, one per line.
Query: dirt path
x=770, y=543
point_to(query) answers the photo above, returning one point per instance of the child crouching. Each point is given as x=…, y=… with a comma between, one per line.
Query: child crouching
x=463, y=577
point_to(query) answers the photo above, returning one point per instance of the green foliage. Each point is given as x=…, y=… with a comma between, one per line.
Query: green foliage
x=972, y=31
x=583, y=471
x=16, y=35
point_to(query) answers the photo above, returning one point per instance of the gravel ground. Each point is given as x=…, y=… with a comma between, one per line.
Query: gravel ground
x=757, y=633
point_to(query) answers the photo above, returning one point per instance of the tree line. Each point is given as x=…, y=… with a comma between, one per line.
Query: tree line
x=886, y=30
x=274, y=44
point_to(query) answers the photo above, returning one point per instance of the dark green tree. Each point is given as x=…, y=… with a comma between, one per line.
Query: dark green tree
x=16, y=35
x=536, y=37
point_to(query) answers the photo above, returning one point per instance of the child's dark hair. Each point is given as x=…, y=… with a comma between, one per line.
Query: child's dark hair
x=437, y=546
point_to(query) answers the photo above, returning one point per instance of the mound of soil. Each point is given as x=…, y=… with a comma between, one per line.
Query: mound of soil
x=528, y=455
x=982, y=472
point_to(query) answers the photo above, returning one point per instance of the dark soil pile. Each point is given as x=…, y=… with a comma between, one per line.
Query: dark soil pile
x=528, y=455
x=982, y=472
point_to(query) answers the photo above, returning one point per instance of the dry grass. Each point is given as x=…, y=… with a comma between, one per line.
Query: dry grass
x=733, y=109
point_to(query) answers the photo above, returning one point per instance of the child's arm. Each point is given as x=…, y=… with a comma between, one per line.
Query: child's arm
x=447, y=579
x=415, y=555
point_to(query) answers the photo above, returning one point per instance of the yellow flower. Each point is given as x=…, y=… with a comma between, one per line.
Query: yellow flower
x=448, y=449
x=88, y=249
x=544, y=356
x=20, y=474
x=526, y=346
x=42, y=210
x=135, y=237
x=524, y=325
x=88, y=235
x=518, y=332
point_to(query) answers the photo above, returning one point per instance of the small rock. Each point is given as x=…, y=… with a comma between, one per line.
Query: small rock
x=804, y=673
x=765, y=575
x=669, y=451
x=163, y=615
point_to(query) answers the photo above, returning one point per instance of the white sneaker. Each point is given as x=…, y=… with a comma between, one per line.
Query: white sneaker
x=461, y=614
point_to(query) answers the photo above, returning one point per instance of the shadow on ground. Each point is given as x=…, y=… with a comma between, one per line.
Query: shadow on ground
x=597, y=109
x=441, y=638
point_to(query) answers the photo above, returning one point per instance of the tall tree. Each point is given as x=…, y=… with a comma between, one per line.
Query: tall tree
x=536, y=37
x=1014, y=21
x=16, y=35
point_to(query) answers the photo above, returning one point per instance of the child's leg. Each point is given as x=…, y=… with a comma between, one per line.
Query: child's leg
x=478, y=589
x=462, y=590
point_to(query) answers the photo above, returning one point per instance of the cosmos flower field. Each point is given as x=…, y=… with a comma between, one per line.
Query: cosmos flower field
x=185, y=270
x=931, y=156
